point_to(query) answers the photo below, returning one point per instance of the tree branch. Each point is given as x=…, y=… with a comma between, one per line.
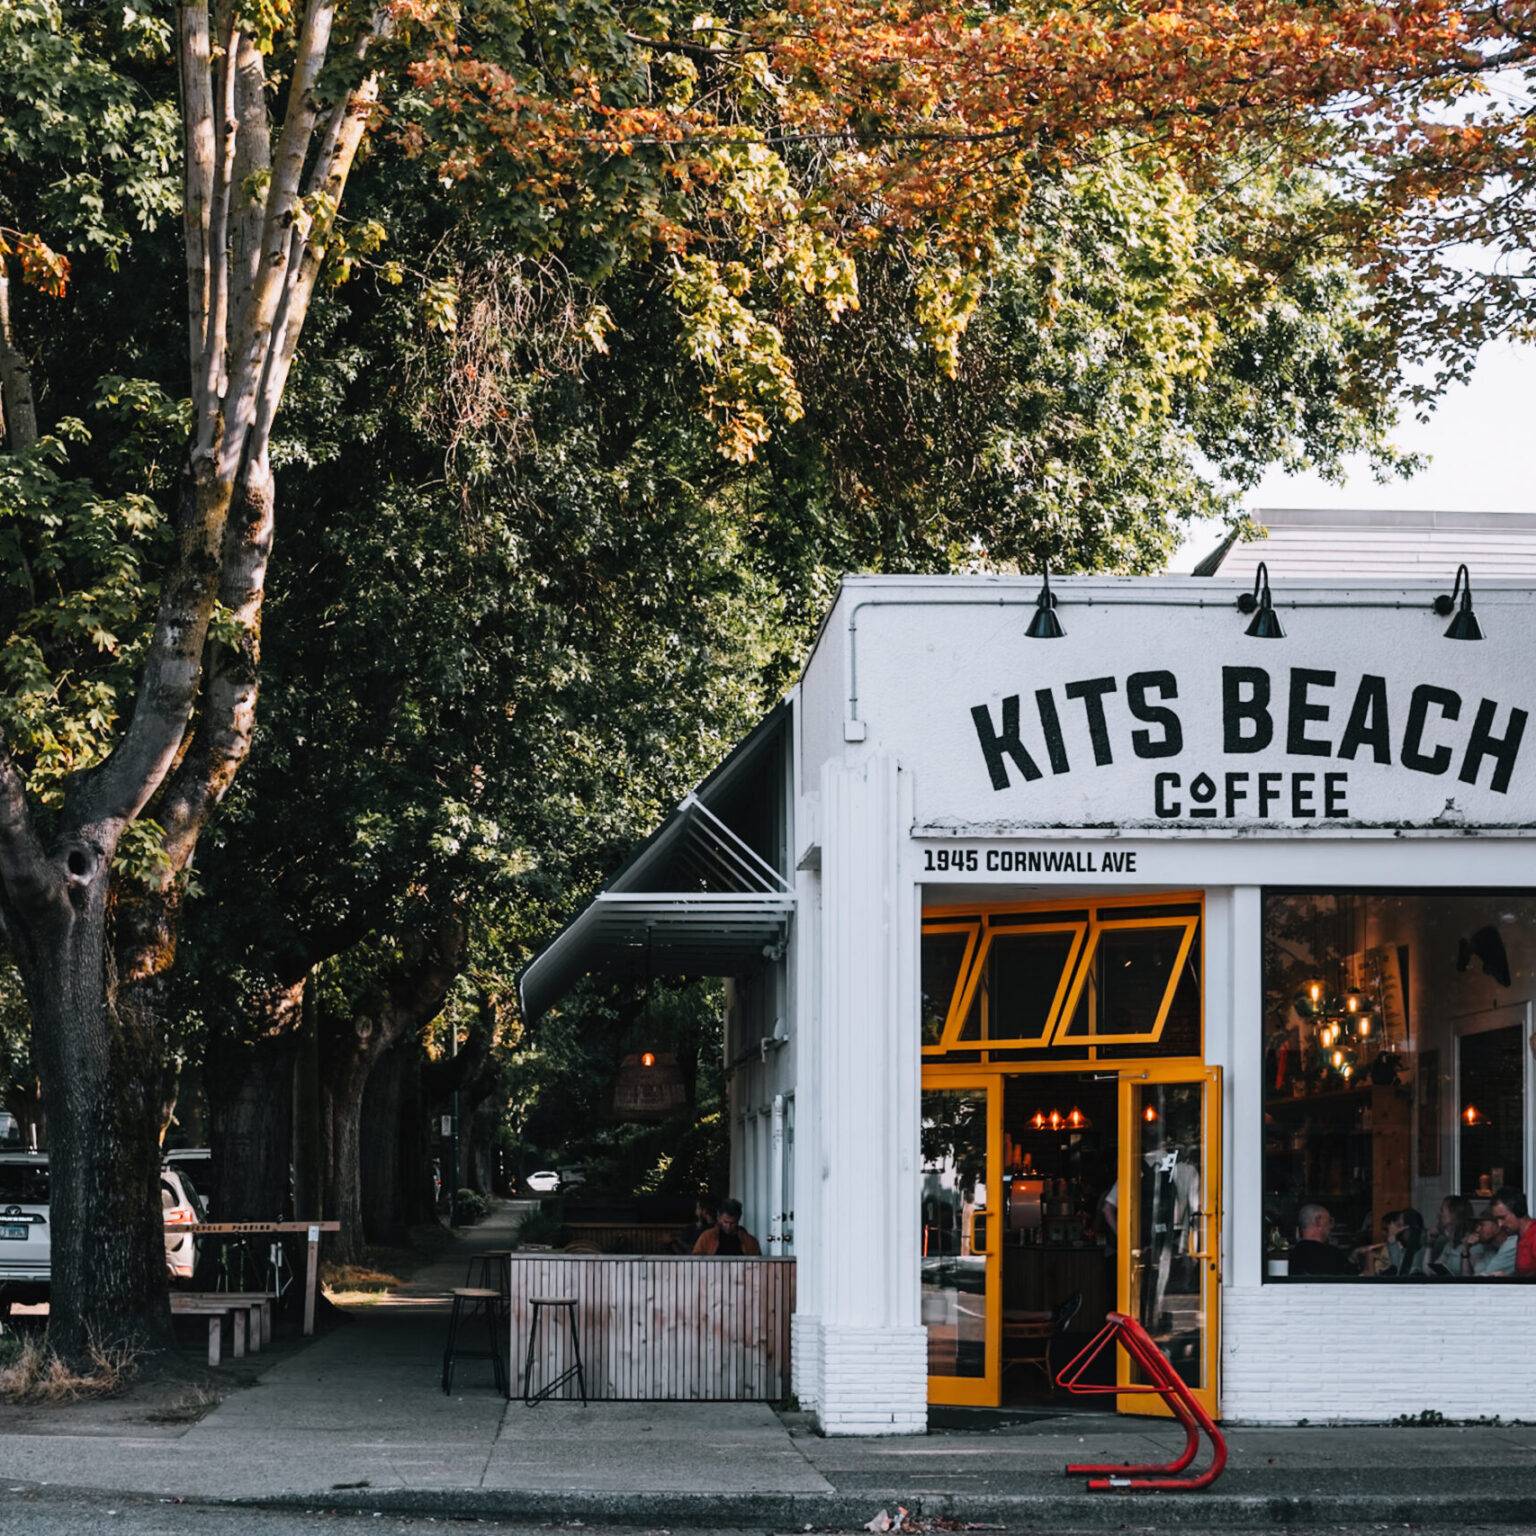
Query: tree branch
x=344, y=130
x=249, y=347
x=24, y=867
x=253, y=163
x=197, y=193
x=18, y=410
x=215, y=341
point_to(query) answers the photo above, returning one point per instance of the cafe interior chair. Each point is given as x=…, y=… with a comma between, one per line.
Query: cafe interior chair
x=1028, y=1337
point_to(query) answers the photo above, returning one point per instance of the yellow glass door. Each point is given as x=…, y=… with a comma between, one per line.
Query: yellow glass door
x=1169, y=1217
x=962, y=1155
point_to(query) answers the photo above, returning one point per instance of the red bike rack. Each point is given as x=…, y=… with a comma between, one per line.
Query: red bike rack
x=1163, y=1380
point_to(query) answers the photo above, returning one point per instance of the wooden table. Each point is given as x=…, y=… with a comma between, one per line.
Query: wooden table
x=313, y=1229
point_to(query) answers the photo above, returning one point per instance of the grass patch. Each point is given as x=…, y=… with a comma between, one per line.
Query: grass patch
x=355, y=1278
x=30, y=1371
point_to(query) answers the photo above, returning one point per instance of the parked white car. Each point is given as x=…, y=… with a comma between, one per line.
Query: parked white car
x=25, y=1267
x=180, y=1207
x=24, y=1230
x=545, y=1182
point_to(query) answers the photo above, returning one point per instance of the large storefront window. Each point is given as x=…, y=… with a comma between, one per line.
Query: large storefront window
x=1397, y=1083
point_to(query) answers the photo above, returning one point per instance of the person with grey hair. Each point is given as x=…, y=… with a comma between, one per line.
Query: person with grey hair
x=1312, y=1253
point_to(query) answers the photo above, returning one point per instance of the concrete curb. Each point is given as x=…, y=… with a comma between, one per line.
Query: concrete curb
x=1211, y=1510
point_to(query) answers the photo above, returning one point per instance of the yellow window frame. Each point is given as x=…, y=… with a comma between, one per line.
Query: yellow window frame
x=972, y=929
x=1188, y=922
x=950, y=1040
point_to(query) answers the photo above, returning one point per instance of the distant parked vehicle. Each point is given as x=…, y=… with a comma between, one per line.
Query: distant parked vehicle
x=545, y=1182
x=24, y=1230
x=180, y=1207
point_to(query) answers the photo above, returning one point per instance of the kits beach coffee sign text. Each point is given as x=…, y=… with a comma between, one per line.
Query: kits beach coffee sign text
x=1309, y=717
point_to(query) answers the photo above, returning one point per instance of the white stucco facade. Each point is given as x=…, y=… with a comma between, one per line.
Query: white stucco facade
x=897, y=802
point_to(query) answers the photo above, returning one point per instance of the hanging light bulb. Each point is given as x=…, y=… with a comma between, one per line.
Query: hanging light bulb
x=1347, y=1071
x=1352, y=1000
x=1077, y=1119
x=1149, y=1115
x=1037, y=1121
x=1056, y=1120
x=1338, y=1059
x=1363, y=1028
x=1315, y=991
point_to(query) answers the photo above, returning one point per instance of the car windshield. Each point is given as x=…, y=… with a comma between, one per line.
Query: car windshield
x=23, y=1184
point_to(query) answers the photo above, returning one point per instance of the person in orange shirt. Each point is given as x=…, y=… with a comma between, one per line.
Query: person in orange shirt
x=1514, y=1216
x=727, y=1237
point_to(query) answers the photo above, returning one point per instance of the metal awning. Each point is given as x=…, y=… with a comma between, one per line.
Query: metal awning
x=697, y=899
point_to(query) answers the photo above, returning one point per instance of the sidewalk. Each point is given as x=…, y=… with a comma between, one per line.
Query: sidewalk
x=357, y=1421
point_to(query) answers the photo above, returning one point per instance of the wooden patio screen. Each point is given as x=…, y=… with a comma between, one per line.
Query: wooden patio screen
x=659, y=1328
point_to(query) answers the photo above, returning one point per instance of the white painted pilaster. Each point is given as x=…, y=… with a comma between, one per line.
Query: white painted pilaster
x=873, y=1349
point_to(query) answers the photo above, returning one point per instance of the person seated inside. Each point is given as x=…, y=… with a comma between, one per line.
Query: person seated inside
x=1405, y=1243
x=1487, y=1249
x=1510, y=1206
x=1455, y=1227
x=727, y=1237
x=1312, y=1253
x=704, y=1214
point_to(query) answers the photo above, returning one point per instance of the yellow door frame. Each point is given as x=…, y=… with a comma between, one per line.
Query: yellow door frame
x=985, y=1391
x=982, y=1391
x=1209, y=1252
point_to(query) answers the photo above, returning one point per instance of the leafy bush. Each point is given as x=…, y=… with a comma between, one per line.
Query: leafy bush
x=468, y=1208
x=540, y=1227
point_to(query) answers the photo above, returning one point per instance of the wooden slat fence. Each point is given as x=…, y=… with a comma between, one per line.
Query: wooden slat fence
x=659, y=1328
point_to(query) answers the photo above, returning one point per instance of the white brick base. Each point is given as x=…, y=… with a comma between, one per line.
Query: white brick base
x=805, y=1360
x=1372, y=1352
x=874, y=1381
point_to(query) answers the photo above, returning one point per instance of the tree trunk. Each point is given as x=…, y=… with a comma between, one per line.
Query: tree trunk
x=408, y=995
x=342, y=1122
x=250, y=1100
x=418, y=1203
x=383, y=1218
x=18, y=413
x=309, y=1181
x=97, y=1048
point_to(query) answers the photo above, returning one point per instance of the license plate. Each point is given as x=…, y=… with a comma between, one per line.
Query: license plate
x=10, y=1232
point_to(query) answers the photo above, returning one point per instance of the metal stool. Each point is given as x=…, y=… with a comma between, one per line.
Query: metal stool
x=492, y=1265
x=468, y=1302
x=530, y=1397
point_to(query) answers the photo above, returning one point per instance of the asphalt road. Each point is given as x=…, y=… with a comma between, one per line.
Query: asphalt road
x=48, y=1514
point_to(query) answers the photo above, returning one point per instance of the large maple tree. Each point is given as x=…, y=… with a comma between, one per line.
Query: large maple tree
x=762, y=153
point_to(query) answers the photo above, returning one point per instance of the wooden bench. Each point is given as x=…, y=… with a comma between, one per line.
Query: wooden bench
x=239, y=1307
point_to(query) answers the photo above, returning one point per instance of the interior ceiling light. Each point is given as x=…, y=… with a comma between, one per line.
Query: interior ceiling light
x=1266, y=622
x=1045, y=625
x=1464, y=626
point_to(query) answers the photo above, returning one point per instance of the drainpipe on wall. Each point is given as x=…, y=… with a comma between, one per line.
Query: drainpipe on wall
x=776, y=1177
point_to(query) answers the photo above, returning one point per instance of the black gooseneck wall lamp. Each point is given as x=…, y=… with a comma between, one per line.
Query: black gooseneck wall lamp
x=1266, y=622
x=1045, y=625
x=1464, y=626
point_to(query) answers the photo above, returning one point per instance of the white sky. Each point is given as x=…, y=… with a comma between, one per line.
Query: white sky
x=1479, y=443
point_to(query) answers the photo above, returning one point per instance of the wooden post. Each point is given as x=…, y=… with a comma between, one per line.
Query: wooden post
x=311, y=1276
